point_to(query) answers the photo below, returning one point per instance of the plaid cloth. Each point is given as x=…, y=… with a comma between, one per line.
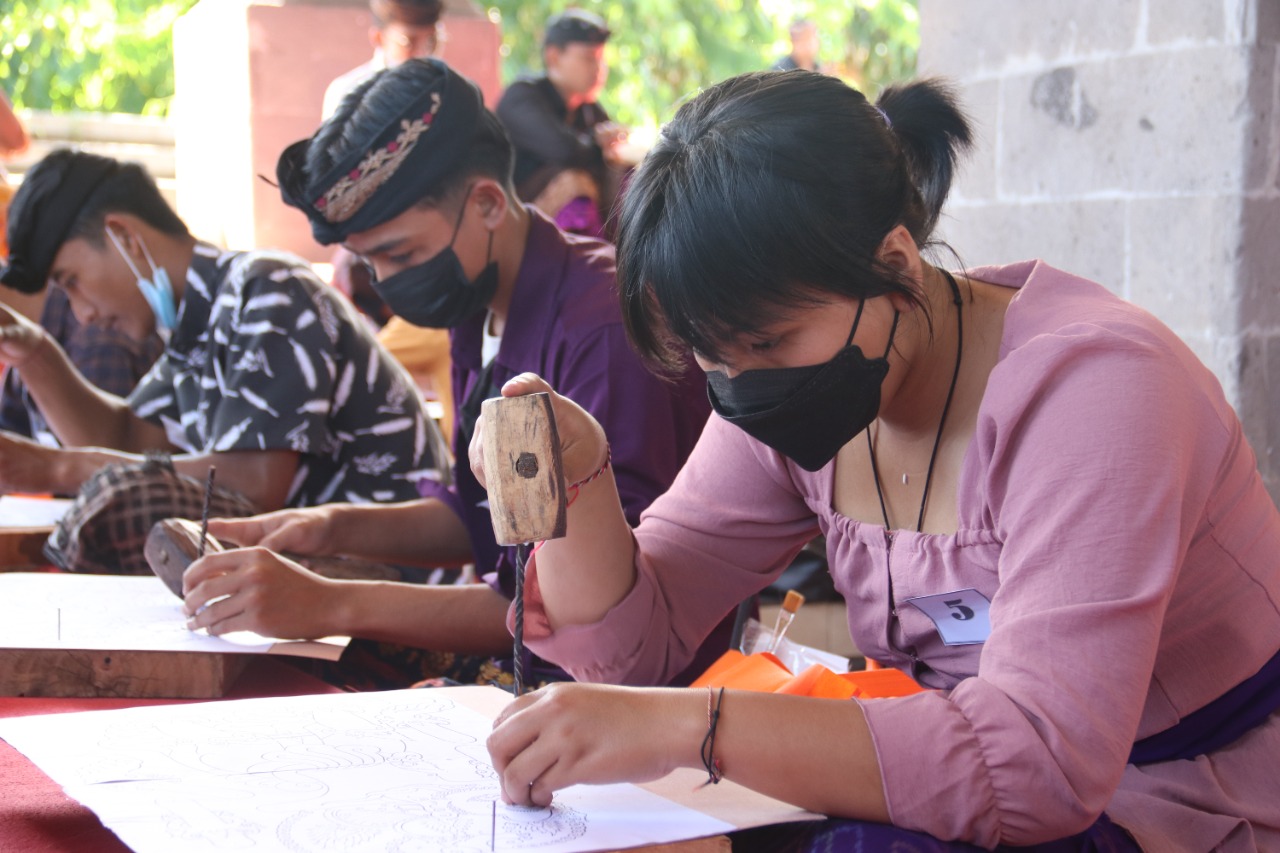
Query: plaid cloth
x=106, y=527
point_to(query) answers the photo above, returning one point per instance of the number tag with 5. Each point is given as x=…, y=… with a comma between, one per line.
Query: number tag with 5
x=962, y=617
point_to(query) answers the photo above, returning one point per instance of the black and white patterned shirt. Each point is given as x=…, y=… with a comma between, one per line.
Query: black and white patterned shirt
x=265, y=356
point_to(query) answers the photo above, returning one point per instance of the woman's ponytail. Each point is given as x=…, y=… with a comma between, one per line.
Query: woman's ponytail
x=926, y=119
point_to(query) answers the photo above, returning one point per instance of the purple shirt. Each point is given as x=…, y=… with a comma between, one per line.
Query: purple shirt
x=565, y=324
x=1110, y=512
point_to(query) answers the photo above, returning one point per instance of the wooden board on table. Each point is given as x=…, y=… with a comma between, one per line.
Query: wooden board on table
x=22, y=548
x=119, y=674
x=25, y=523
x=712, y=844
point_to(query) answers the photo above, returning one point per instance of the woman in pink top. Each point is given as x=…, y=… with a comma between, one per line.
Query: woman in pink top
x=1036, y=501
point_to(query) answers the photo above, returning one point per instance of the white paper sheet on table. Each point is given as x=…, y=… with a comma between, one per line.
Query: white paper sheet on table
x=70, y=611
x=18, y=511
x=398, y=770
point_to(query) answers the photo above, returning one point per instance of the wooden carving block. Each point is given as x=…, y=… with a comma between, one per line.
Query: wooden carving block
x=171, y=546
x=711, y=844
x=22, y=548
x=524, y=470
x=123, y=674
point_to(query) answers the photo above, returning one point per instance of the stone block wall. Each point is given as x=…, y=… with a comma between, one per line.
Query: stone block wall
x=1136, y=142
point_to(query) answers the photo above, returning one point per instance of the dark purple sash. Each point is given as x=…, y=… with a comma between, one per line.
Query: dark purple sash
x=1217, y=724
x=856, y=836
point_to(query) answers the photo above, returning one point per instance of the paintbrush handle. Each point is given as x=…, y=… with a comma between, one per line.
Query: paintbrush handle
x=780, y=628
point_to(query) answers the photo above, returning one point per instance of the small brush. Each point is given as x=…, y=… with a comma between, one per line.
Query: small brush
x=786, y=615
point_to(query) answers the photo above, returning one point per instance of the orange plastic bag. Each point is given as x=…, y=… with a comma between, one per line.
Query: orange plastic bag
x=762, y=672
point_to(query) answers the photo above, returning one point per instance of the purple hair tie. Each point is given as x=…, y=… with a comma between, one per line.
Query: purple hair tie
x=884, y=115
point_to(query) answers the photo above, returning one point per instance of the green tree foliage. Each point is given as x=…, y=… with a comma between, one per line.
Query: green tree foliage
x=117, y=55
x=89, y=55
x=664, y=51
x=661, y=50
x=870, y=44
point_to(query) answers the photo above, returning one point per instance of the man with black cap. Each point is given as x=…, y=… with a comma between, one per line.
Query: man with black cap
x=266, y=373
x=567, y=148
x=414, y=175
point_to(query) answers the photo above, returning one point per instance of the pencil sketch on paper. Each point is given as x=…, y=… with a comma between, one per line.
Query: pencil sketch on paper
x=426, y=819
x=252, y=741
x=402, y=771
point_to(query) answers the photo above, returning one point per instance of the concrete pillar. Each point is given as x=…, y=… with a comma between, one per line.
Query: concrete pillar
x=1136, y=142
x=250, y=76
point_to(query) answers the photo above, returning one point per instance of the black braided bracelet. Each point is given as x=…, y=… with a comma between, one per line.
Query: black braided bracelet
x=709, y=760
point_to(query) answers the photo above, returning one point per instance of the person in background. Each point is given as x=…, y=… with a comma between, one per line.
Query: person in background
x=425, y=354
x=804, y=47
x=401, y=30
x=13, y=141
x=432, y=209
x=266, y=373
x=13, y=134
x=1037, y=502
x=569, y=154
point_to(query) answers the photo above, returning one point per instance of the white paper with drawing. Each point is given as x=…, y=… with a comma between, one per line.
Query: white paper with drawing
x=70, y=611
x=399, y=770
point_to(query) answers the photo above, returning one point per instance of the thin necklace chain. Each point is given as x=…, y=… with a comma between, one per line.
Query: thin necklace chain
x=942, y=422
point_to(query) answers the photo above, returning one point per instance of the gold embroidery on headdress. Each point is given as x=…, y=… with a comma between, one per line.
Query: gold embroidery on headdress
x=349, y=194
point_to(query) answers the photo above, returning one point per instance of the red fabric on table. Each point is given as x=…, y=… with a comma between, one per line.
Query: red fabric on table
x=37, y=817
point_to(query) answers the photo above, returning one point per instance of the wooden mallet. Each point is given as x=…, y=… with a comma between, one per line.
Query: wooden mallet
x=525, y=474
x=172, y=545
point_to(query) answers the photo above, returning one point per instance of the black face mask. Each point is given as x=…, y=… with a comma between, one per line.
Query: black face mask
x=806, y=413
x=437, y=293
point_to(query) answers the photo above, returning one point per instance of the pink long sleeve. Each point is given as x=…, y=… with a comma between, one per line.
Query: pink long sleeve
x=749, y=520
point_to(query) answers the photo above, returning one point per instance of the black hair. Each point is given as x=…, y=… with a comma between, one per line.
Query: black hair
x=417, y=13
x=368, y=108
x=575, y=26
x=773, y=190
x=130, y=190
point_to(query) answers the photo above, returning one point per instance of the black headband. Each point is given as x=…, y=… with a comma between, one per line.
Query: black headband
x=418, y=147
x=43, y=210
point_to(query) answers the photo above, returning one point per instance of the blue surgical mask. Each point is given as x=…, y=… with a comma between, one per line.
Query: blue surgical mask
x=157, y=290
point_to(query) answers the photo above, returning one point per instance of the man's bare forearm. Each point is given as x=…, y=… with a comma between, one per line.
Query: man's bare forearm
x=80, y=414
